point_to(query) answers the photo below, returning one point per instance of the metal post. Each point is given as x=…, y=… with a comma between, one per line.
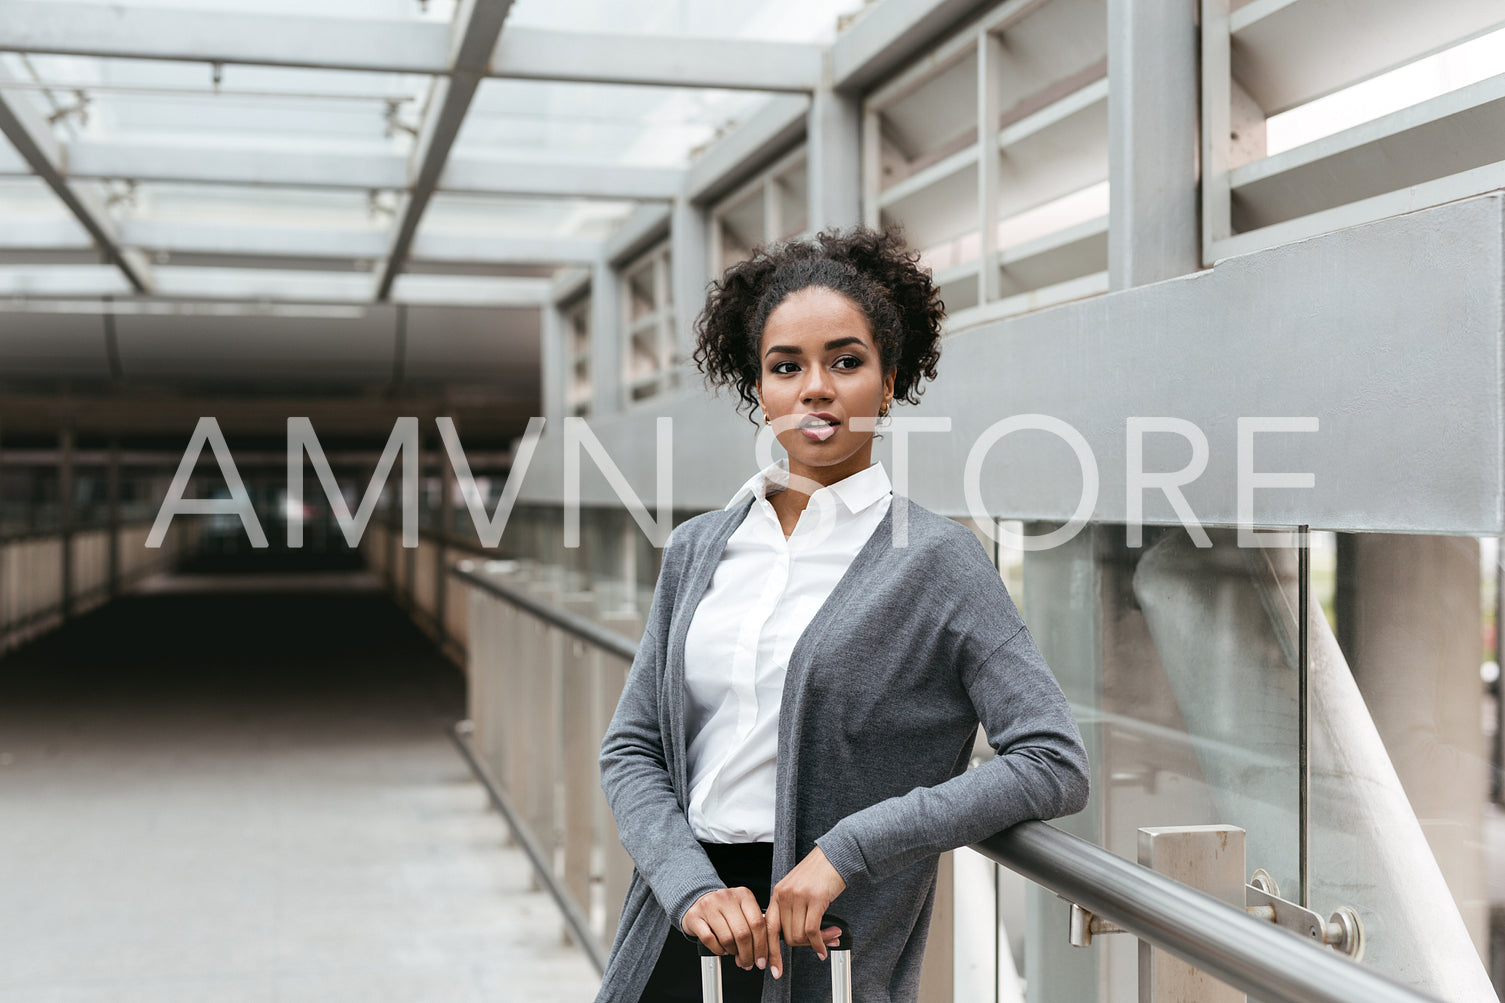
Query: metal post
x=989, y=108
x=1209, y=858
x=113, y=489
x=937, y=974
x=835, y=144
x=616, y=865
x=607, y=332
x=1152, y=141
x=556, y=373
x=441, y=546
x=65, y=515
x=688, y=236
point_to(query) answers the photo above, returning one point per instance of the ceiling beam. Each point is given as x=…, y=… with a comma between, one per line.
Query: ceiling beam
x=30, y=284
x=893, y=32
x=729, y=63
x=239, y=240
x=477, y=26
x=31, y=135
x=112, y=30
x=378, y=170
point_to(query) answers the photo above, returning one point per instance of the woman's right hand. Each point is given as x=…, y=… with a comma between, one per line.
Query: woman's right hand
x=729, y=921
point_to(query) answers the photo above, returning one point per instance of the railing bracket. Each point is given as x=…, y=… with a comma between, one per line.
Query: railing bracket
x=1342, y=931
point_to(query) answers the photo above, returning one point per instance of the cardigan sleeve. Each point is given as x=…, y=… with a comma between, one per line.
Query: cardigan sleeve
x=1040, y=772
x=635, y=775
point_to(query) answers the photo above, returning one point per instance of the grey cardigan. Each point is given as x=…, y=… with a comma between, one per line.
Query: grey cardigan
x=885, y=688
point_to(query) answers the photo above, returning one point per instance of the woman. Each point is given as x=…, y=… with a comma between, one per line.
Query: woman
x=817, y=657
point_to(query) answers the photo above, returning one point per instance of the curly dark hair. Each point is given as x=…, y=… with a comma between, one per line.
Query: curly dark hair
x=873, y=268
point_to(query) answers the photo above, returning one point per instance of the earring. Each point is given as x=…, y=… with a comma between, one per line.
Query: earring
x=766, y=419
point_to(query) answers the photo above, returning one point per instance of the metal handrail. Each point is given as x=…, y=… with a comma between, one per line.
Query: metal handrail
x=1215, y=937
x=574, y=917
x=571, y=623
x=1249, y=954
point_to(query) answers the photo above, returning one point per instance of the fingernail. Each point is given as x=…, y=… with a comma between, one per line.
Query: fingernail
x=762, y=963
x=776, y=972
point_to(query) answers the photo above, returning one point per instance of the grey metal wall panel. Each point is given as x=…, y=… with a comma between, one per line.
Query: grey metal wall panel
x=53, y=346
x=1389, y=333
x=471, y=346
x=248, y=349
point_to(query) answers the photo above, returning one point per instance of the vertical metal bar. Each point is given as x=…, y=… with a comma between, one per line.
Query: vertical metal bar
x=1304, y=771
x=990, y=58
x=872, y=166
x=65, y=516
x=710, y=978
x=1497, y=750
x=841, y=976
x=113, y=496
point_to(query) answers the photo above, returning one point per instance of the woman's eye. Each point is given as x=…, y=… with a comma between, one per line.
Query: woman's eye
x=776, y=366
x=855, y=362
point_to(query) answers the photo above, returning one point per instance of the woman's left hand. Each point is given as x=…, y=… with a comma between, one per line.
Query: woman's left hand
x=798, y=903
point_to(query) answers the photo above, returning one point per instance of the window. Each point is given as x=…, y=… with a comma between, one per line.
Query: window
x=648, y=356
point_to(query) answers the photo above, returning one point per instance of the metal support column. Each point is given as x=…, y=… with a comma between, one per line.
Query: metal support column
x=1152, y=142
x=689, y=231
x=607, y=332
x=835, y=144
x=554, y=372
x=112, y=488
x=65, y=515
x=441, y=544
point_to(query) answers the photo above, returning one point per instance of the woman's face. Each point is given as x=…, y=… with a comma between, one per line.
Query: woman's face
x=819, y=369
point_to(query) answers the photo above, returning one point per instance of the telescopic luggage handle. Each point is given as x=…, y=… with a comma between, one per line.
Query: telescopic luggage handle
x=841, y=966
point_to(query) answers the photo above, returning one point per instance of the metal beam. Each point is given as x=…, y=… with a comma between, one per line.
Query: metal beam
x=476, y=28
x=1153, y=230
x=890, y=34
x=647, y=225
x=237, y=240
x=561, y=179
x=109, y=30
x=378, y=170
x=766, y=134
x=113, y=30
x=32, y=137
x=731, y=63
x=35, y=283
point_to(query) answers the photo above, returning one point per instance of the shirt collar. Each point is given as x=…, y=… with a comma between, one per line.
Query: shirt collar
x=856, y=491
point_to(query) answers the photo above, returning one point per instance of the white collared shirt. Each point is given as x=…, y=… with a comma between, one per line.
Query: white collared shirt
x=763, y=594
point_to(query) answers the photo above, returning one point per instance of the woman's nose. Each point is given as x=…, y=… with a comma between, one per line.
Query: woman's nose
x=817, y=385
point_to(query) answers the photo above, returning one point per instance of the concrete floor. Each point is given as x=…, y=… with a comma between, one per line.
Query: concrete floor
x=249, y=796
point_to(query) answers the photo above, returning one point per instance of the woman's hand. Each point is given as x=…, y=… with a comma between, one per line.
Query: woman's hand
x=729, y=922
x=798, y=903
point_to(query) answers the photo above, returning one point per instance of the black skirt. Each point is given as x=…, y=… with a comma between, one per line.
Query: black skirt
x=676, y=977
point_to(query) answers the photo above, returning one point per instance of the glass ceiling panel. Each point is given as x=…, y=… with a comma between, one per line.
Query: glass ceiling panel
x=135, y=100
x=182, y=108
x=31, y=198
x=441, y=10
x=520, y=217
x=779, y=20
x=264, y=206
x=647, y=126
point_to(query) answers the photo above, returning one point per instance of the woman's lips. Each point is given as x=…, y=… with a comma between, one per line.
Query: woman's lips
x=819, y=428
x=818, y=433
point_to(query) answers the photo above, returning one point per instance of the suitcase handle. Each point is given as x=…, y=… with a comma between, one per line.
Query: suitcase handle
x=841, y=966
x=844, y=944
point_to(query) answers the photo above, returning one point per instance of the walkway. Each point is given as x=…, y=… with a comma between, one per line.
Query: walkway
x=249, y=797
